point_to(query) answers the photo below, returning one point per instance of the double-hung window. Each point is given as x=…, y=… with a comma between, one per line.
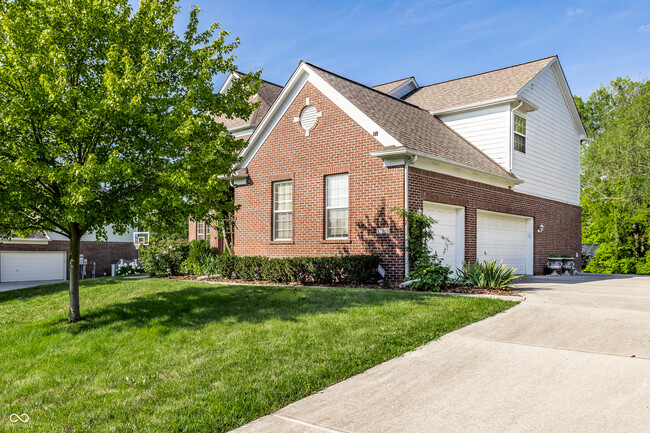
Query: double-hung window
x=336, y=206
x=519, y=135
x=207, y=232
x=199, y=230
x=282, y=210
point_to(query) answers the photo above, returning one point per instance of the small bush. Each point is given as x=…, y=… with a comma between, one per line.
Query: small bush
x=133, y=268
x=487, y=275
x=430, y=278
x=164, y=257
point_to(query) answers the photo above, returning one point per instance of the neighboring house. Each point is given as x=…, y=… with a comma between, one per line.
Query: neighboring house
x=45, y=256
x=494, y=158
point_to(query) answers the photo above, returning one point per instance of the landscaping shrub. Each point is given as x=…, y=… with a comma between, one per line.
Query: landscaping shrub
x=487, y=275
x=164, y=257
x=356, y=269
x=133, y=268
x=430, y=278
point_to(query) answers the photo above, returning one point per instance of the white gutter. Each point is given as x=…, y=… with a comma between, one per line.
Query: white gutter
x=512, y=135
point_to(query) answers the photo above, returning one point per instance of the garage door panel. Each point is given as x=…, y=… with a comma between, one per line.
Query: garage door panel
x=32, y=265
x=502, y=237
x=449, y=240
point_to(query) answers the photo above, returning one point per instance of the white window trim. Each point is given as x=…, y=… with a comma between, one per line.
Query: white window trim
x=514, y=132
x=199, y=231
x=275, y=211
x=346, y=207
x=208, y=232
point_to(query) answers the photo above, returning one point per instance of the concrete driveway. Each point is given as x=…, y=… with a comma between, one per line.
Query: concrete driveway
x=5, y=287
x=573, y=357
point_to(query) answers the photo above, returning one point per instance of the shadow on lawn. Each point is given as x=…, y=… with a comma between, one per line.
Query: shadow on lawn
x=196, y=306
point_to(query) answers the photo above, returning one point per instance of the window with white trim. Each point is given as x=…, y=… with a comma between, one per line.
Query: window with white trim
x=199, y=230
x=207, y=232
x=282, y=210
x=519, y=135
x=336, y=206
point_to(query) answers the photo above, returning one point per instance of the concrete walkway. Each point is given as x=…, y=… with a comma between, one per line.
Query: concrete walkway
x=5, y=287
x=573, y=357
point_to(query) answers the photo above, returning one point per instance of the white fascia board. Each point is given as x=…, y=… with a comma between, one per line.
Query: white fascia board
x=436, y=164
x=411, y=84
x=527, y=105
x=228, y=84
x=240, y=131
x=298, y=79
x=275, y=113
x=566, y=93
x=351, y=110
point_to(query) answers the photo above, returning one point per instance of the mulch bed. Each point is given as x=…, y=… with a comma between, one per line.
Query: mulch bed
x=454, y=288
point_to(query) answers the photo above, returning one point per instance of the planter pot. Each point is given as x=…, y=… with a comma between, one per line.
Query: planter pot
x=554, y=264
x=568, y=265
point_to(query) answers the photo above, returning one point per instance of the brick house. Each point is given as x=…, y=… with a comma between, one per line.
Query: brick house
x=493, y=157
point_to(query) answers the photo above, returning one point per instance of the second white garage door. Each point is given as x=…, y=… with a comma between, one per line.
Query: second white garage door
x=32, y=266
x=507, y=238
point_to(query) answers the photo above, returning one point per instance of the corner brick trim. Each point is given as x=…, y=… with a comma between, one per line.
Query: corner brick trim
x=281, y=176
x=343, y=168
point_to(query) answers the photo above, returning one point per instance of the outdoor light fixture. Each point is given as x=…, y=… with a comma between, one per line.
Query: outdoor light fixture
x=540, y=228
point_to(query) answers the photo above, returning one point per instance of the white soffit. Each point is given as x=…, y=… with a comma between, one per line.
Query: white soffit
x=299, y=78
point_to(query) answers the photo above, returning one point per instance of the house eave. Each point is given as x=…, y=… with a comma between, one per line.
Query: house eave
x=403, y=156
x=526, y=106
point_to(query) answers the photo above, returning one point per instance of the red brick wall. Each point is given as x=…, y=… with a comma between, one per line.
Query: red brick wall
x=103, y=254
x=336, y=144
x=215, y=240
x=562, y=230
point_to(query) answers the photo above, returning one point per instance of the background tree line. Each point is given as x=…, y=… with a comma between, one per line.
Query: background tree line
x=615, y=185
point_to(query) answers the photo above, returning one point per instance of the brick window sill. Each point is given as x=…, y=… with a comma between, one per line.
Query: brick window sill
x=281, y=243
x=336, y=241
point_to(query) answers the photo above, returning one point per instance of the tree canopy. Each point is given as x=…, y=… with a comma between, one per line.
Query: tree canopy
x=615, y=183
x=106, y=117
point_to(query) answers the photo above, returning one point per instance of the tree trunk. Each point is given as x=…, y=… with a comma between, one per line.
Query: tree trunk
x=226, y=241
x=75, y=249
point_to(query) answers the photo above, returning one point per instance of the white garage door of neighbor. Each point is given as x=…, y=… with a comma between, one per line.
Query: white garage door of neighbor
x=507, y=238
x=32, y=266
x=451, y=225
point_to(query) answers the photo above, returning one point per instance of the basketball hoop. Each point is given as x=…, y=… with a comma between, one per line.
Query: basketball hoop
x=140, y=239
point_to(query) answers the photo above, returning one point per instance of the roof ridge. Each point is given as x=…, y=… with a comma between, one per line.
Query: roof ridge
x=266, y=81
x=391, y=82
x=486, y=72
x=367, y=87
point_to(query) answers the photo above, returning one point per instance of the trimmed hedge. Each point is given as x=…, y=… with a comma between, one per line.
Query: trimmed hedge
x=358, y=269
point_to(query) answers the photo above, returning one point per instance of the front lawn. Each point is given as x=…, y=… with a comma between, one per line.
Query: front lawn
x=164, y=355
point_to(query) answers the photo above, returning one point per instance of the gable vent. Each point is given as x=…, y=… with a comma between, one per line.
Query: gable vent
x=308, y=117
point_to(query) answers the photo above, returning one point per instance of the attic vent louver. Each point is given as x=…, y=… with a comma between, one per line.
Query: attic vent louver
x=308, y=117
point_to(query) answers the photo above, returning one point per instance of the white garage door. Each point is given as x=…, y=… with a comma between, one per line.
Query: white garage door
x=450, y=225
x=32, y=266
x=506, y=238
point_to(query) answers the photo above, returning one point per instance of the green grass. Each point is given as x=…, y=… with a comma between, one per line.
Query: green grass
x=162, y=355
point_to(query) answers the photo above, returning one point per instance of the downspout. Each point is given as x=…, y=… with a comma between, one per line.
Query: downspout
x=512, y=135
x=408, y=162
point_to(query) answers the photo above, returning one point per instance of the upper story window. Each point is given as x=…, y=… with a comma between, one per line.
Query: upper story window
x=520, y=133
x=336, y=206
x=199, y=231
x=282, y=210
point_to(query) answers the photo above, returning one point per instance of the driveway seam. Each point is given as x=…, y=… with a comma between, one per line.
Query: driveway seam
x=308, y=424
x=469, y=337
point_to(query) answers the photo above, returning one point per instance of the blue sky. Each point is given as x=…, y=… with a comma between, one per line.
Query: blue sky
x=378, y=41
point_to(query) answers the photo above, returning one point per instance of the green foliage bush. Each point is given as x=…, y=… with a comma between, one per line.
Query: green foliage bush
x=487, y=275
x=164, y=257
x=355, y=269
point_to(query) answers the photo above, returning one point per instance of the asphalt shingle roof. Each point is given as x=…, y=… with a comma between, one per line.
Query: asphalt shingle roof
x=412, y=126
x=476, y=88
x=387, y=87
x=266, y=95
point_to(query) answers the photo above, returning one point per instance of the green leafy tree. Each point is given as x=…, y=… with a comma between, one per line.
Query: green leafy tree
x=615, y=184
x=106, y=116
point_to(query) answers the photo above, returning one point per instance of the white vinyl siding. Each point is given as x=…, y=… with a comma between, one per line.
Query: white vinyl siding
x=336, y=206
x=485, y=128
x=90, y=237
x=550, y=168
x=282, y=210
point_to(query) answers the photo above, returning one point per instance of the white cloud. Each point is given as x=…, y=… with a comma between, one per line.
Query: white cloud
x=574, y=11
x=645, y=28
